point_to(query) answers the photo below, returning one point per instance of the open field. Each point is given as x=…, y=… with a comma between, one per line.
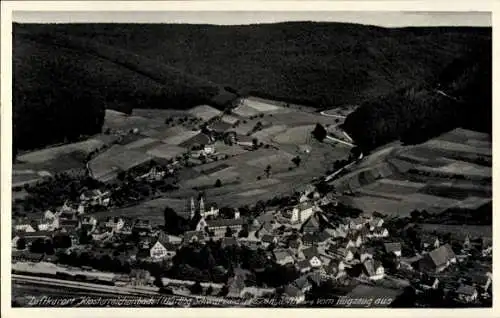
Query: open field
x=383, y=181
x=46, y=154
x=115, y=159
x=121, y=121
x=295, y=135
x=151, y=210
x=459, y=230
x=204, y=112
x=166, y=151
x=179, y=139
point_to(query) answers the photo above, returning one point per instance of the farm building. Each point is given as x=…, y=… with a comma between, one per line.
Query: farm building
x=438, y=259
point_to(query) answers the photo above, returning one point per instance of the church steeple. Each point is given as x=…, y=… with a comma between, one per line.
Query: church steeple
x=202, y=206
x=193, y=208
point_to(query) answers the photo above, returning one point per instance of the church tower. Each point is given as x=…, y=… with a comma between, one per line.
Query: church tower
x=193, y=208
x=202, y=207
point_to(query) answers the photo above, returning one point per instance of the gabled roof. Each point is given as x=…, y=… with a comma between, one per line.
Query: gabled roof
x=302, y=282
x=226, y=222
x=310, y=252
x=441, y=255
x=303, y=264
x=191, y=234
x=370, y=266
x=392, y=247
x=466, y=290
x=267, y=238
x=293, y=291
x=281, y=254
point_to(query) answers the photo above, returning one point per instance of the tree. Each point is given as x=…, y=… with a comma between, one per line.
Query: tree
x=296, y=160
x=209, y=290
x=268, y=170
x=255, y=142
x=21, y=243
x=229, y=232
x=196, y=289
x=38, y=246
x=319, y=132
x=218, y=183
x=84, y=237
x=244, y=231
x=158, y=281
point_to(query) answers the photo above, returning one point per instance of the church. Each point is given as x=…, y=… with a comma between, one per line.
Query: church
x=213, y=211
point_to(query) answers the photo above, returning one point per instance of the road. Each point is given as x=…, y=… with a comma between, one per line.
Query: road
x=332, y=115
x=340, y=141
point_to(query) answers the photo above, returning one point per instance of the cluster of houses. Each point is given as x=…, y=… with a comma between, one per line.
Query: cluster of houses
x=299, y=236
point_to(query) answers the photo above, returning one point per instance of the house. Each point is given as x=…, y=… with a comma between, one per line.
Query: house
x=236, y=283
x=320, y=239
x=303, y=266
x=303, y=283
x=88, y=223
x=375, y=223
x=302, y=212
x=193, y=236
x=283, y=257
x=467, y=243
x=114, y=223
x=311, y=225
x=268, y=239
x=265, y=229
x=244, y=141
x=101, y=234
x=430, y=243
x=48, y=222
x=345, y=254
x=162, y=249
x=429, y=282
x=379, y=232
x=482, y=281
x=354, y=240
x=312, y=255
x=30, y=237
x=365, y=254
x=25, y=256
x=466, y=293
x=252, y=292
x=127, y=227
x=95, y=197
x=24, y=228
x=394, y=248
x=142, y=227
x=356, y=224
x=373, y=269
x=438, y=259
x=228, y=241
x=219, y=226
x=69, y=225
x=335, y=268
x=293, y=293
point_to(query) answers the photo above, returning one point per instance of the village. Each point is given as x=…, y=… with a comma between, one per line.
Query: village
x=310, y=248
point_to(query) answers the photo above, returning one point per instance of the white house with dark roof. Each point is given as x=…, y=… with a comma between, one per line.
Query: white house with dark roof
x=466, y=293
x=283, y=256
x=393, y=247
x=373, y=269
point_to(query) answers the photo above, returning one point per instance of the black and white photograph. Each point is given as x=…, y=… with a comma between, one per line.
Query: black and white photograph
x=244, y=159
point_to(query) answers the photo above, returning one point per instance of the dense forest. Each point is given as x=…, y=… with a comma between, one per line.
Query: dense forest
x=125, y=66
x=459, y=97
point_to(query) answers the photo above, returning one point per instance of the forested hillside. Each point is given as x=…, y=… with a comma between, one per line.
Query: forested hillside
x=459, y=97
x=123, y=66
